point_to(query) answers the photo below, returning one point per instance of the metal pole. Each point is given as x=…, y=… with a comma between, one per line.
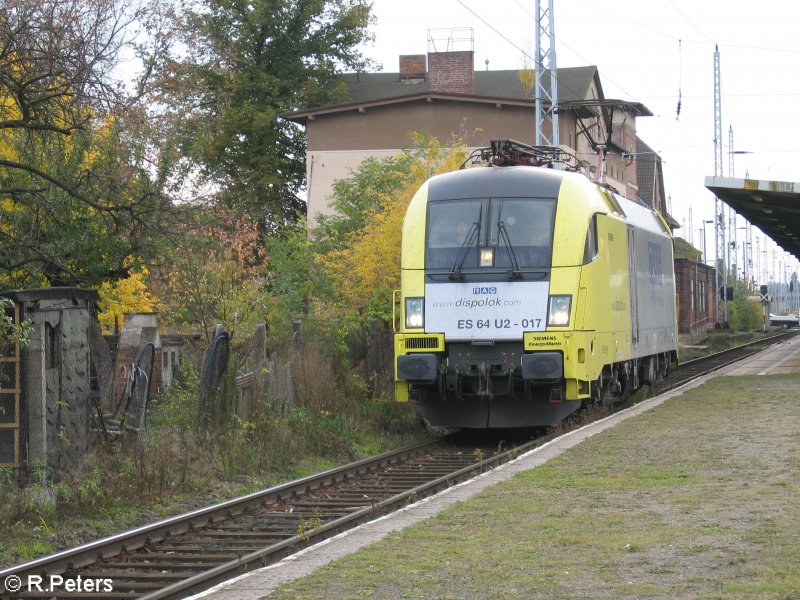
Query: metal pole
x=719, y=206
x=546, y=90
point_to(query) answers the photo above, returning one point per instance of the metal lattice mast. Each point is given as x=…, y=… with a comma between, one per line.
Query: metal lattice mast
x=546, y=87
x=733, y=233
x=719, y=206
x=730, y=151
x=748, y=256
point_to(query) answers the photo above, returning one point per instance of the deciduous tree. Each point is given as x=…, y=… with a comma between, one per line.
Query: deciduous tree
x=81, y=191
x=11, y=331
x=367, y=267
x=244, y=64
x=216, y=275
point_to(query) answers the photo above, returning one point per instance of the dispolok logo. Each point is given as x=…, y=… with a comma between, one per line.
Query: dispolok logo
x=476, y=291
x=495, y=310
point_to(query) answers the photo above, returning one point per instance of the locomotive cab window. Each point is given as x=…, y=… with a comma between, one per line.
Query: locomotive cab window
x=500, y=233
x=450, y=222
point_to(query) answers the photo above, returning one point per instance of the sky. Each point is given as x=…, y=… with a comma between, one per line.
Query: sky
x=653, y=52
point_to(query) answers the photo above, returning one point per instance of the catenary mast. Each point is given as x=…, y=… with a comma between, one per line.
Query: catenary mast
x=719, y=205
x=733, y=230
x=546, y=87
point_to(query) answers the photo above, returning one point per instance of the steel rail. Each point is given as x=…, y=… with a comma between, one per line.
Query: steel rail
x=463, y=465
x=271, y=554
x=88, y=553
x=697, y=367
x=735, y=350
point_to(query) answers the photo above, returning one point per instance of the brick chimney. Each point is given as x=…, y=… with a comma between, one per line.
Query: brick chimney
x=412, y=67
x=451, y=72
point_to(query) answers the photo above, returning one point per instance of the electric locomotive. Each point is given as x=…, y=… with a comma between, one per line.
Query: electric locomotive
x=527, y=291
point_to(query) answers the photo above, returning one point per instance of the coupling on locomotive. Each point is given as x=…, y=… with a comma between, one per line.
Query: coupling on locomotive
x=526, y=292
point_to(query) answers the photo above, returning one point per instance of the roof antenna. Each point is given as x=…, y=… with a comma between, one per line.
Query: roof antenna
x=680, y=81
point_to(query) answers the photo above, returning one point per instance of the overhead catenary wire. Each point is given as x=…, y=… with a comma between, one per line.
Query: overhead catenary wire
x=705, y=41
x=514, y=45
x=571, y=49
x=690, y=22
x=680, y=81
x=695, y=34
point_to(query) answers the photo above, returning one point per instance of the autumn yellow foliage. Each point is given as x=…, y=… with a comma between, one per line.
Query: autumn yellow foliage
x=129, y=295
x=370, y=261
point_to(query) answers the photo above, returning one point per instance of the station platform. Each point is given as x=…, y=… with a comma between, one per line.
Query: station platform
x=731, y=465
x=779, y=359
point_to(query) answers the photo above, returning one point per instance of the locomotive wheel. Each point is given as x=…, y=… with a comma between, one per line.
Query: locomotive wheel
x=605, y=396
x=626, y=386
x=663, y=365
x=650, y=369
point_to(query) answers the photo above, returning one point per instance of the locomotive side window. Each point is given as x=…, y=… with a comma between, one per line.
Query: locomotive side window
x=590, y=249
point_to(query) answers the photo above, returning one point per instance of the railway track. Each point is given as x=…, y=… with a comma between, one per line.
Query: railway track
x=692, y=369
x=182, y=555
x=176, y=557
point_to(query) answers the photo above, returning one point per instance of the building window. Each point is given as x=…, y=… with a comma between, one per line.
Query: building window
x=703, y=297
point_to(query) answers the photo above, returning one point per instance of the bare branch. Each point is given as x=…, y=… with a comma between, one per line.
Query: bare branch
x=20, y=124
x=55, y=181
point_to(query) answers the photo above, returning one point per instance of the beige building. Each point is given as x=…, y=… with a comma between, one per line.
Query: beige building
x=442, y=95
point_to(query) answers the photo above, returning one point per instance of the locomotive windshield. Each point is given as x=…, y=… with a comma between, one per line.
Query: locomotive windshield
x=501, y=233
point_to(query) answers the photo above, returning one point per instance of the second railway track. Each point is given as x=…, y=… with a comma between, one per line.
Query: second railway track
x=692, y=369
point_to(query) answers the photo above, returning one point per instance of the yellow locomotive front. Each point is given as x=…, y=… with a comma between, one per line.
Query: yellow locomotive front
x=494, y=329
x=477, y=276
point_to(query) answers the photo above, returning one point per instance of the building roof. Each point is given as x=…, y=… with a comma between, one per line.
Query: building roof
x=772, y=206
x=650, y=180
x=504, y=87
x=573, y=84
x=52, y=293
x=301, y=116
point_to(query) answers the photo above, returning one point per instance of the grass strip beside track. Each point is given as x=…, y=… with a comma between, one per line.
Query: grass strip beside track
x=696, y=498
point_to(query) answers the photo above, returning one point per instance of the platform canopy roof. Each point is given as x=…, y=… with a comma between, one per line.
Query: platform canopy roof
x=772, y=206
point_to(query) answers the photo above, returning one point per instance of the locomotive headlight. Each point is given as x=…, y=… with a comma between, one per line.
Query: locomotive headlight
x=487, y=257
x=415, y=313
x=558, y=311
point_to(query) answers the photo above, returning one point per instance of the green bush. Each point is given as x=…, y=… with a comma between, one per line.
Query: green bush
x=744, y=315
x=178, y=405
